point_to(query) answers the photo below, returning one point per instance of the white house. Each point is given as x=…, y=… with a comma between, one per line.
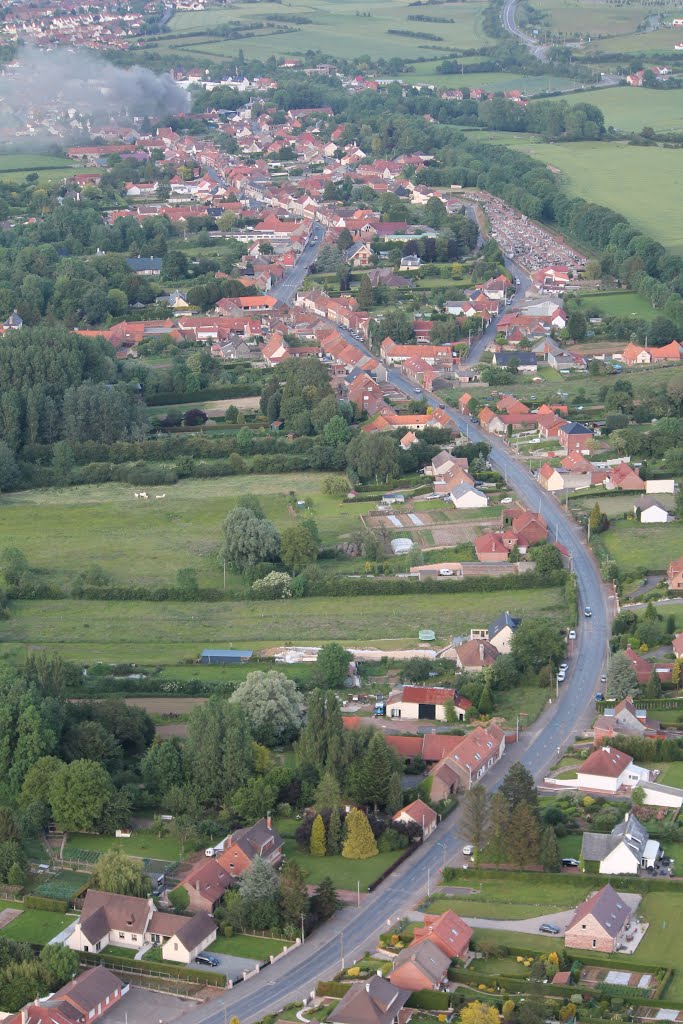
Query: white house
x=651, y=510
x=466, y=496
x=608, y=770
x=625, y=851
x=658, y=795
x=660, y=486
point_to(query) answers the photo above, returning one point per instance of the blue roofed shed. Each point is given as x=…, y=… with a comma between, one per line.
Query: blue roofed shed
x=224, y=656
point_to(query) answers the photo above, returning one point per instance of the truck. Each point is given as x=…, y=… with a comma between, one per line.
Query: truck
x=380, y=709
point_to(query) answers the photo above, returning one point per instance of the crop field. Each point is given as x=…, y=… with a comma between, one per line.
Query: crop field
x=661, y=41
x=336, y=28
x=644, y=184
x=492, y=81
x=628, y=109
x=149, y=632
x=592, y=17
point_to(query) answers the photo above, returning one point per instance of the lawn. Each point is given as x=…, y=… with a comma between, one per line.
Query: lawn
x=37, y=926
x=533, y=942
x=346, y=874
x=623, y=304
x=336, y=28
x=631, y=109
x=637, y=548
x=590, y=169
x=253, y=947
x=662, y=941
x=591, y=18
x=672, y=774
x=84, y=630
x=15, y=167
x=497, y=900
x=140, y=844
x=570, y=846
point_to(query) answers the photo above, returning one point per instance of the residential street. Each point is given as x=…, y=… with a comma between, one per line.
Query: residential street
x=286, y=289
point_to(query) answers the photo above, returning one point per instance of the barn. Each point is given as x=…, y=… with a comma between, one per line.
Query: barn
x=224, y=656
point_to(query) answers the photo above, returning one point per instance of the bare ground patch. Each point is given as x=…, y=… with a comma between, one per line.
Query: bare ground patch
x=8, y=915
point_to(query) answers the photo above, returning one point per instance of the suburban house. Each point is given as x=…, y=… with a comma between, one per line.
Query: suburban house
x=575, y=436
x=644, y=668
x=447, y=931
x=473, y=757
x=145, y=266
x=133, y=922
x=675, y=574
x=624, y=719
x=85, y=998
x=475, y=655
x=526, y=362
x=608, y=770
x=466, y=496
x=424, y=966
x=599, y=922
x=625, y=851
x=677, y=645
x=624, y=477
x=499, y=633
x=428, y=702
x=206, y=884
x=650, y=510
x=430, y=747
x=236, y=852
x=375, y=1001
x=418, y=813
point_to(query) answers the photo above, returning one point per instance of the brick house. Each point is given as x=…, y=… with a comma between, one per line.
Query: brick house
x=238, y=850
x=624, y=719
x=424, y=966
x=85, y=998
x=599, y=922
x=418, y=813
x=447, y=931
x=473, y=757
x=675, y=574
x=575, y=436
x=428, y=702
x=375, y=1001
x=206, y=884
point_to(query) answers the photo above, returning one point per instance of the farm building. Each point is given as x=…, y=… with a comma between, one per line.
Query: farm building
x=224, y=656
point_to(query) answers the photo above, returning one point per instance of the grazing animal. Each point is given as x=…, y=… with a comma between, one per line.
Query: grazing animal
x=157, y=496
x=137, y=494
x=144, y=494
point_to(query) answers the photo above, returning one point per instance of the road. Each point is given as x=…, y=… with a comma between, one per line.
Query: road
x=478, y=347
x=509, y=11
x=354, y=930
x=286, y=289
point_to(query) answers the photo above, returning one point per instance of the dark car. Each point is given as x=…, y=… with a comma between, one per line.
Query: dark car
x=587, y=611
x=599, y=696
x=570, y=862
x=549, y=929
x=206, y=958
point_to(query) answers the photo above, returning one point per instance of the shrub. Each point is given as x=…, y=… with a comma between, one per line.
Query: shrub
x=45, y=903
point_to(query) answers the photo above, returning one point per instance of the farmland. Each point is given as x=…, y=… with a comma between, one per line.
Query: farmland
x=333, y=28
x=15, y=167
x=623, y=304
x=629, y=109
x=635, y=547
x=588, y=170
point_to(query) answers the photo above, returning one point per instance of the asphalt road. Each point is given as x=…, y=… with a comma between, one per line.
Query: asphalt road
x=478, y=348
x=286, y=289
x=510, y=24
x=355, y=930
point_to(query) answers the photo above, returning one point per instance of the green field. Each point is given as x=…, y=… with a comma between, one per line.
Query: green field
x=491, y=81
x=254, y=947
x=498, y=900
x=346, y=874
x=625, y=304
x=662, y=41
x=335, y=29
x=649, y=181
x=672, y=774
x=15, y=167
x=593, y=18
x=635, y=547
x=140, y=844
x=154, y=632
x=37, y=926
x=629, y=110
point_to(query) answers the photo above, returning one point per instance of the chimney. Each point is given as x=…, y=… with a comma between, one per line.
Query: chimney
x=24, y=1016
x=196, y=884
x=269, y=821
x=481, y=652
x=367, y=986
x=379, y=973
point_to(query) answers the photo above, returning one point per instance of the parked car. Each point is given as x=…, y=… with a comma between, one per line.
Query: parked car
x=564, y=666
x=599, y=696
x=570, y=862
x=445, y=572
x=587, y=611
x=572, y=634
x=561, y=676
x=206, y=958
x=468, y=851
x=603, y=679
x=549, y=929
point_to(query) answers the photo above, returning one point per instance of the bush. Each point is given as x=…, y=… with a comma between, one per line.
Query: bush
x=45, y=903
x=163, y=969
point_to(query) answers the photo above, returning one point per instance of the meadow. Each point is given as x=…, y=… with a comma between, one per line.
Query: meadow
x=661, y=41
x=635, y=547
x=643, y=184
x=336, y=28
x=15, y=166
x=592, y=17
x=629, y=110
x=623, y=304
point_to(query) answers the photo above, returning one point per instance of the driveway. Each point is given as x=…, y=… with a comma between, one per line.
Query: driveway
x=529, y=925
x=143, y=1007
x=232, y=966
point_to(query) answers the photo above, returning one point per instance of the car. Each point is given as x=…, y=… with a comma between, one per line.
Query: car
x=445, y=572
x=468, y=851
x=207, y=958
x=505, y=501
x=599, y=696
x=210, y=852
x=549, y=929
x=603, y=679
x=570, y=862
x=158, y=891
x=442, y=405
x=561, y=676
x=564, y=666
x=418, y=391
x=572, y=634
x=587, y=611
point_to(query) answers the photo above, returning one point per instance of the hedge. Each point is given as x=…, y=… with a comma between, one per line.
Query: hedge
x=166, y=970
x=46, y=903
x=206, y=395
x=335, y=989
x=428, y=1000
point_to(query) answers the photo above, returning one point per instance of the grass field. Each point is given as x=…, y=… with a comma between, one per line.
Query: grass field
x=635, y=547
x=591, y=18
x=253, y=947
x=84, y=630
x=492, y=81
x=15, y=167
x=629, y=110
x=662, y=41
x=140, y=844
x=346, y=874
x=625, y=304
x=37, y=926
x=649, y=181
x=498, y=900
x=335, y=28
x=672, y=774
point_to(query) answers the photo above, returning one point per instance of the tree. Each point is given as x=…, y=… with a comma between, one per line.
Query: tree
x=523, y=838
x=318, y=847
x=325, y=899
x=9, y=471
x=14, y=565
x=38, y=779
x=499, y=823
x=550, y=855
x=179, y=898
x=360, y=842
x=78, y=794
x=373, y=456
x=334, y=833
x=219, y=749
x=485, y=703
x=535, y=643
x=519, y=787
x=394, y=798
x=336, y=431
x=479, y=1013
x=653, y=688
x=260, y=892
x=116, y=872
x=327, y=794
x=298, y=548
x=248, y=539
x=638, y=796
x=475, y=817
x=595, y=518
x=60, y=962
x=293, y=894
x=163, y=766
x=577, y=325
x=332, y=665
x=271, y=705
x=16, y=876
x=372, y=775
x=621, y=678
x=364, y=293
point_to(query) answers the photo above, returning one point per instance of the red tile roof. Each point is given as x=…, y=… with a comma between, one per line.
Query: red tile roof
x=607, y=762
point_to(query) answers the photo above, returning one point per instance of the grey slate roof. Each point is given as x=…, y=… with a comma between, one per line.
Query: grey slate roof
x=503, y=620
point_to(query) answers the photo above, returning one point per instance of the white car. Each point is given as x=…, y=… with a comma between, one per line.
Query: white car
x=468, y=851
x=572, y=634
x=506, y=501
x=561, y=676
x=564, y=666
x=446, y=572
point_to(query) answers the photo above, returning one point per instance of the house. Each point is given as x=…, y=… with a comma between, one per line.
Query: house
x=624, y=477
x=418, y=813
x=677, y=645
x=608, y=770
x=206, y=884
x=447, y=931
x=675, y=574
x=359, y=255
x=475, y=655
x=224, y=656
x=191, y=938
x=238, y=850
x=491, y=548
x=550, y=478
x=473, y=757
x=625, y=851
x=635, y=355
x=624, y=719
x=501, y=631
x=410, y=262
x=650, y=510
x=421, y=702
x=525, y=362
x=431, y=747
x=375, y=1001
x=575, y=436
x=86, y=998
x=466, y=496
x=408, y=440
x=599, y=922
x=145, y=266
x=424, y=966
